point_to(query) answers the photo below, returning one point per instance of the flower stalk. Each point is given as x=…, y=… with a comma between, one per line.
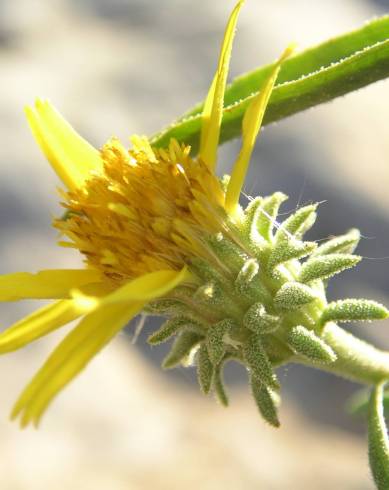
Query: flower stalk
x=356, y=360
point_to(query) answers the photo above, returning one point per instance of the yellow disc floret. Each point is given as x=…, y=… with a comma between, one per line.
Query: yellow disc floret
x=146, y=210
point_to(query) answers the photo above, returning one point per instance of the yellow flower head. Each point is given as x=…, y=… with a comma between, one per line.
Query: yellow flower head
x=146, y=210
x=140, y=217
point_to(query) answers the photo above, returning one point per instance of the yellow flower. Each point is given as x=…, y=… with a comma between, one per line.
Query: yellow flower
x=139, y=217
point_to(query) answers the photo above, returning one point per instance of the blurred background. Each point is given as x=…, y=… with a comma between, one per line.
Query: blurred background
x=114, y=67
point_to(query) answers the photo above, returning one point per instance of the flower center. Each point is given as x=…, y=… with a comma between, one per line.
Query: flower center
x=148, y=210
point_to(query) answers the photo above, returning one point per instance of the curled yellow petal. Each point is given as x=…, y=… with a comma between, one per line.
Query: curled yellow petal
x=70, y=357
x=250, y=128
x=45, y=284
x=39, y=323
x=213, y=107
x=72, y=157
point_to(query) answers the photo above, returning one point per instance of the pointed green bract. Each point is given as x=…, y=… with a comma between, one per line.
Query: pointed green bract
x=181, y=348
x=204, y=369
x=293, y=295
x=306, y=343
x=348, y=310
x=259, y=321
x=166, y=306
x=171, y=327
x=247, y=273
x=378, y=440
x=297, y=224
x=324, y=267
x=345, y=244
x=258, y=362
x=215, y=340
x=210, y=294
x=288, y=250
x=251, y=214
x=267, y=213
x=256, y=302
x=265, y=401
x=249, y=285
x=227, y=251
x=251, y=227
x=205, y=271
x=219, y=386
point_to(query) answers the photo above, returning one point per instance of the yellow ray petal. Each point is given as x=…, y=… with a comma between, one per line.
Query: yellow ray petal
x=144, y=288
x=39, y=323
x=45, y=284
x=150, y=286
x=95, y=330
x=251, y=125
x=71, y=356
x=213, y=107
x=72, y=157
x=206, y=117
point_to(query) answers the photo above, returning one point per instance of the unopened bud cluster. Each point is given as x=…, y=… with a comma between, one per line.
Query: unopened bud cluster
x=260, y=301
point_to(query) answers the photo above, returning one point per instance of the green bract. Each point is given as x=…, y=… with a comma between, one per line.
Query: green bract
x=261, y=301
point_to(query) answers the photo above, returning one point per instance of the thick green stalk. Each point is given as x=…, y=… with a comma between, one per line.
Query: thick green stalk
x=356, y=360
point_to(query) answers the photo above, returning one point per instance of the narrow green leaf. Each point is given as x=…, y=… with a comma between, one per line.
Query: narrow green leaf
x=316, y=75
x=378, y=440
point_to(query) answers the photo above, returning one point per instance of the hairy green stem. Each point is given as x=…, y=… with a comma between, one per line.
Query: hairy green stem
x=356, y=360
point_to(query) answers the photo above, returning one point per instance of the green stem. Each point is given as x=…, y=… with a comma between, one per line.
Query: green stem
x=357, y=360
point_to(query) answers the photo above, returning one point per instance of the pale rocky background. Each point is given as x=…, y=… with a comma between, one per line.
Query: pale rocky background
x=122, y=66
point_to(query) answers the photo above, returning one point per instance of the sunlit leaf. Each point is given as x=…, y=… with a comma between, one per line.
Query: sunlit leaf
x=314, y=76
